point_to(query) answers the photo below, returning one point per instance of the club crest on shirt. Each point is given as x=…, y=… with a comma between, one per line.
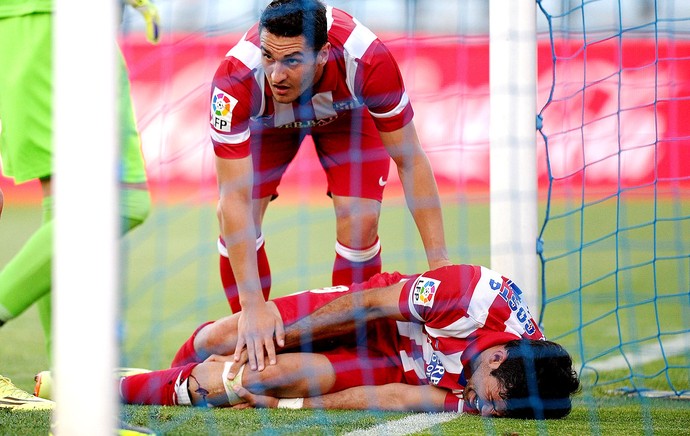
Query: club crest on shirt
x=222, y=105
x=424, y=291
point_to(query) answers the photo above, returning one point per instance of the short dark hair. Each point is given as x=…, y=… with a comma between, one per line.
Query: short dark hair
x=537, y=379
x=291, y=18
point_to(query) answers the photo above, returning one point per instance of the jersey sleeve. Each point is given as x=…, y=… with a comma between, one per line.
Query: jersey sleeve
x=467, y=301
x=300, y=304
x=382, y=88
x=231, y=98
x=439, y=297
x=454, y=402
x=509, y=311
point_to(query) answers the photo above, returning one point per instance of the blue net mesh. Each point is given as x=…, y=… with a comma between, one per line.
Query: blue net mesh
x=615, y=240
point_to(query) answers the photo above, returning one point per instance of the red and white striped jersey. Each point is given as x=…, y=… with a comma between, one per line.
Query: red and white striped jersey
x=455, y=313
x=360, y=72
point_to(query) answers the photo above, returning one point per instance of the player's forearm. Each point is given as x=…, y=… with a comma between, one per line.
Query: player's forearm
x=430, y=225
x=336, y=318
x=345, y=313
x=421, y=194
x=238, y=232
x=391, y=397
x=238, y=229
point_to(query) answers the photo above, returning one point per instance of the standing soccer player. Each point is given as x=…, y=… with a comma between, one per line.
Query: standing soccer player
x=26, y=147
x=310, y=69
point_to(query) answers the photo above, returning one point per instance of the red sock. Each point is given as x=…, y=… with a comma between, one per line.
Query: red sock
x=187, y=354
x=230, y=285
x=155, y=388
x=356, y=265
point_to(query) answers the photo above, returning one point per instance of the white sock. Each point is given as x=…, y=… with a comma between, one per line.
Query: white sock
x=182, y=391
x=354, y=255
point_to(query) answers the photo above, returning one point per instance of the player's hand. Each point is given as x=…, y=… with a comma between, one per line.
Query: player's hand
x=256, y=328
x=221, y=358
x=435, y=264
x=236, y=364
x=150, y=13
x=252, y=400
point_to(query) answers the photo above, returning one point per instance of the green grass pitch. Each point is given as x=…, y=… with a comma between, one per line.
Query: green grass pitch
x=172, y=285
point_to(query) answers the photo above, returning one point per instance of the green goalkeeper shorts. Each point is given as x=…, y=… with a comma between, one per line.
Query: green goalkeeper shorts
x=26, y=103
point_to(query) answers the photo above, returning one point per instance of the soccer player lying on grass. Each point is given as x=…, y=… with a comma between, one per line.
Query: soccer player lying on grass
x=457, y=338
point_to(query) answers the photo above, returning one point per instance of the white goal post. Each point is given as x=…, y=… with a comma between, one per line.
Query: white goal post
x=513, y=139
x=85, y=275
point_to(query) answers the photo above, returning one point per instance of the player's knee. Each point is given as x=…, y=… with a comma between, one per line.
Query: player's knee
x=358, y=231
x=272, y=377
x=369, y=226
x=219, y=213
x=275, y=379
x=219, y=337
x=357, y=221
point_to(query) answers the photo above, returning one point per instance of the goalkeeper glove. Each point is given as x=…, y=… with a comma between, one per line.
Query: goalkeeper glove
x=150, y=13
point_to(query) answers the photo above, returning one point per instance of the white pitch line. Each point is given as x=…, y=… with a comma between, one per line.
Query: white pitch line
x=645, y=354
x=410, y=424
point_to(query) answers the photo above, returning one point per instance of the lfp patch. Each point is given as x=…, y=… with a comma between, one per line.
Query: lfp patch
x=222, y=105
x=424, y=291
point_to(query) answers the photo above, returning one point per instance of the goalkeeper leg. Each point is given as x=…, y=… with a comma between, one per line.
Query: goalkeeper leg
x=27, y=276
x=135, y=205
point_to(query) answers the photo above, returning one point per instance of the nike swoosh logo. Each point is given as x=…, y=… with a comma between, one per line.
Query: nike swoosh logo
x=382, y=182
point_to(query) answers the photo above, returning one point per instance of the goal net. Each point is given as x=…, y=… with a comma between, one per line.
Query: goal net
x=612, y=78
x=171, y=262
x=615, y=238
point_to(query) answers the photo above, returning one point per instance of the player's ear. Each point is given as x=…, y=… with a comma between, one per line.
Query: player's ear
x=322, y=56
x=497, y=356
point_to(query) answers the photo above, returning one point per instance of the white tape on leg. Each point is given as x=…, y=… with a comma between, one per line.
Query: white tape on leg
x=290, y=403
x=237, y=381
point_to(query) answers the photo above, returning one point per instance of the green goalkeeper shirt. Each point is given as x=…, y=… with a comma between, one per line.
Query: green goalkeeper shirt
x=16, y=8
x=26, y=105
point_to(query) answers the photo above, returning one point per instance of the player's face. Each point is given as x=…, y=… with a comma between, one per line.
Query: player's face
x=483, y=391
x=291, y=66
x=484, y=396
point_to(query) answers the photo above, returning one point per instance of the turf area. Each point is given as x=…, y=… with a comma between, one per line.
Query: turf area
x=172, y=286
